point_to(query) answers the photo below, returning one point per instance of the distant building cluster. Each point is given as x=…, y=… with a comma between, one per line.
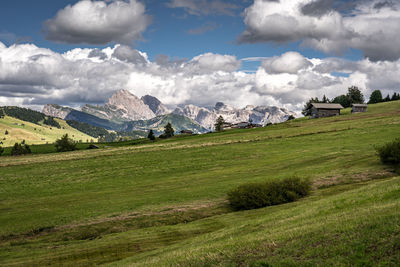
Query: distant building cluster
x=240, y=125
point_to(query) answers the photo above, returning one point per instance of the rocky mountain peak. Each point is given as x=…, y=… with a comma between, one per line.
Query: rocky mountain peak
x=55, y=110
x=155, y=105
x=130, y=106
x=220, y=106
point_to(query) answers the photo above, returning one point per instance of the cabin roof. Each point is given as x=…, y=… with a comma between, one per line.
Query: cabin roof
x=359, y=105
x=326, y=106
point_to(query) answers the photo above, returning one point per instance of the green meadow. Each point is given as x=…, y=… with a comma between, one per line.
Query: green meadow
x=164, y=203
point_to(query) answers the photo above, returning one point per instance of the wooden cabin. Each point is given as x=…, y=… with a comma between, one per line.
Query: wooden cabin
x=241, y=125
x=226, y=126
x=358, y=108
x=186, y=132
x=321, y=110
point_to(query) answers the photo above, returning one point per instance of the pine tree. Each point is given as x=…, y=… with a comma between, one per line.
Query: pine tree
x=376, y=97
x=325, y=99
x=395, y=96
x=151, y=135
x=219, y=123
x=387, y=98
x=168, y=130
x=65, y=144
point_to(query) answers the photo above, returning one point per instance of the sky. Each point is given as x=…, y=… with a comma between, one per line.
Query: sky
x=240, y=52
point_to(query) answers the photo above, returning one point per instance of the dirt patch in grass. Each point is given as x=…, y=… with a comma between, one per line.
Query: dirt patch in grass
x=328, y=181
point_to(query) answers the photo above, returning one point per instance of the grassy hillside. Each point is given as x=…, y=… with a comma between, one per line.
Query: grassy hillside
x=164, y=203
x=32, y=133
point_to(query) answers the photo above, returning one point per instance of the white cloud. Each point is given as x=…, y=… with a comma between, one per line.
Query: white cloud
x=290, y=62
x=369, y=27
x=210, y=62
x=98, y=22
x=34, y=76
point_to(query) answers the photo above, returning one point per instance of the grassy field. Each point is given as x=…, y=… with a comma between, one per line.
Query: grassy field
x=164, y=203
x=36, y=134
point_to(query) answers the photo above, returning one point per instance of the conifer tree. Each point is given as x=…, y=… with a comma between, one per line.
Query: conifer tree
x=151, y=135
x=219, y=124
x=168, y=130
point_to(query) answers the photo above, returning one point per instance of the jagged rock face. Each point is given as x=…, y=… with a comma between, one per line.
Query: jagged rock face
x=203, y=116
x=57, y=111
x=155, y=105
x=259, y=115
x=132, y=107
x=122, y=106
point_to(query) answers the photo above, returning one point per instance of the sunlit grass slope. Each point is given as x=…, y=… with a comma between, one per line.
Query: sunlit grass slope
x=32, y=133
x=164, y=203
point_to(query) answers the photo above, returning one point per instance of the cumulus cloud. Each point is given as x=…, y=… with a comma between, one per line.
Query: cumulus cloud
x=34, y=76
x=204, y=7
x=98, y=22
x=125, y=53
x=290, y=62
x=369, y=26
x=210, y=62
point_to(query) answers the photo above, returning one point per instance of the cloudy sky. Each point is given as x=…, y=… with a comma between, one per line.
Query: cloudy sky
x=261, y=52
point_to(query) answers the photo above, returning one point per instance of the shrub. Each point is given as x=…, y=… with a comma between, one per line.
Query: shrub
x=1, y=150
x=20, y=149
x=389, y=153
x=258, y=195
x=65, y=144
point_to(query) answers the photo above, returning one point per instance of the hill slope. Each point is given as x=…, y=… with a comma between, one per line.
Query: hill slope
x=164, y=203
x=32, y=133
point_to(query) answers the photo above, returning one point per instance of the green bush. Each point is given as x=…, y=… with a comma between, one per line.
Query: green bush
x=258, y=195
x=389, y=153
x=65, y=144
x=20, y=149
x=1, y=150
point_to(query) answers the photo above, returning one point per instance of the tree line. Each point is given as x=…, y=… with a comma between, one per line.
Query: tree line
x=29, y=115
x=376, y=97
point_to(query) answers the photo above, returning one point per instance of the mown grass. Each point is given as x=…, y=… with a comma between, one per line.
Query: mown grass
x=144, y=203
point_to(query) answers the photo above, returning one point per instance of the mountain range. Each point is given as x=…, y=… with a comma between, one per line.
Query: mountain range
x=124, y=111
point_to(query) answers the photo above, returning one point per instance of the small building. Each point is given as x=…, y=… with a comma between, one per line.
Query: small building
x=226, y=126
x=358, y=108
x=241, y=125
x=186, y=132
x=321, y=110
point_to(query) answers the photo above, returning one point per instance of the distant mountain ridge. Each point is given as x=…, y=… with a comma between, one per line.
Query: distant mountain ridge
x=259, y=115
x=123, y=108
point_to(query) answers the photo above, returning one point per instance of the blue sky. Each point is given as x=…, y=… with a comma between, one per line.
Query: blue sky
x=169, y=32
x=72, y=52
